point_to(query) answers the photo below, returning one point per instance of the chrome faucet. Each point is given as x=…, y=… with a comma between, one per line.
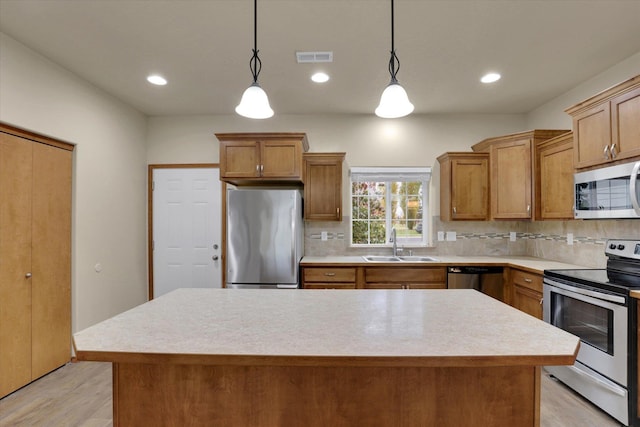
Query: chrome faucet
x=393, y=239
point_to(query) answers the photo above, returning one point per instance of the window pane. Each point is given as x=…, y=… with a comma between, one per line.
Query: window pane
x=373, y=209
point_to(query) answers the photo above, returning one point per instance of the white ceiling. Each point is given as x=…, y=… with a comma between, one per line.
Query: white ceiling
x=541, y=47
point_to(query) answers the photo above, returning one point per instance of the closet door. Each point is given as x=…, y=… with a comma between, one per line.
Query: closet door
x=15, y=262
x=51, y=259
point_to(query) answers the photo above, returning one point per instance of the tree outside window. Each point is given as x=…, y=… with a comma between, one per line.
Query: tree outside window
x=378, y=206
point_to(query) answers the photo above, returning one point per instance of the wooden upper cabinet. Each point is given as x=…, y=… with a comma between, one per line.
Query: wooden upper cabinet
x=512, y=182
x=464, y=186
x=323, y=186
x=554, y=178
x=250, y=158
x=606, y=127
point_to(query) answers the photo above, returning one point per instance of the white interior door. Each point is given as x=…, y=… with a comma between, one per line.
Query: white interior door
x=186, y=229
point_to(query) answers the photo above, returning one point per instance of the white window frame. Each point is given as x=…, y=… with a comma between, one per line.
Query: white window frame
x=389, y=175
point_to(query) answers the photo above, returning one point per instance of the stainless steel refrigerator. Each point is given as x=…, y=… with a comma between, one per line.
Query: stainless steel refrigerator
x=265, y=238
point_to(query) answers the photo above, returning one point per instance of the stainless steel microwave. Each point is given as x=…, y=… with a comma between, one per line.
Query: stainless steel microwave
x=611, y=192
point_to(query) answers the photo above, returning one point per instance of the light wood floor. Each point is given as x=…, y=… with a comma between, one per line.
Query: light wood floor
x=79, y=394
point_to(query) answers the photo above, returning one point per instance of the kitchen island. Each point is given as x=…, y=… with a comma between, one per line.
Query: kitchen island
x=317, y=358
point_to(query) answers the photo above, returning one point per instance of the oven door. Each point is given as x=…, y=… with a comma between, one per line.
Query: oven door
x=599, y=319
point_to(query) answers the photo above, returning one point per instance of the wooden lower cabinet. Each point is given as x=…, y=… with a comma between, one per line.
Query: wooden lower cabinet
x=361, y=277
x=35, y=257
x=405, y=278
x=526, y=291
x=329, y=277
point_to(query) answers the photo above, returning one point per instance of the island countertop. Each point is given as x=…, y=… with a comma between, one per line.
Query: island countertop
x=452, y=328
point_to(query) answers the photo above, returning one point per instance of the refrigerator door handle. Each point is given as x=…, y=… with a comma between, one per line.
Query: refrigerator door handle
x=294, y=261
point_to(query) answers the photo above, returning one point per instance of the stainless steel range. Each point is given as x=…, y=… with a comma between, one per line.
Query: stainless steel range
x=595, y=305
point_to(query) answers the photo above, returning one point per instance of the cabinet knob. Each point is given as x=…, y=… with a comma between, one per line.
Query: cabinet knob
x=27, y=276
x=455, y=211
x=541, y=300
x=528, y=280
x=613, y=151
x=528, y=208
x=330, y=274
x=606, y=152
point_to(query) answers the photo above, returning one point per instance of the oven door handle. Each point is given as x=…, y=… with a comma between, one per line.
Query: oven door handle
x=612, y=388
x=633, y=193
x=587, y=292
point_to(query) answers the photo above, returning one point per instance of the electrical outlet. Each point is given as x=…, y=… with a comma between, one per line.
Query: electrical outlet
x=440, y=236
x=512, y=236
x=451, y=236
x=569, y=238
x=323, y=236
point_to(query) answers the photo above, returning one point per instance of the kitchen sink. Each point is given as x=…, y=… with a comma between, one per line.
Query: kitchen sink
x=389, y=258
x=381, y=258
x=417, y=259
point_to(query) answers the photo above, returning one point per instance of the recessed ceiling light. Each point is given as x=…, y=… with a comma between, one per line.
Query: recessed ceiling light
x=157, y=80
x=320, y=77
x=490, y=78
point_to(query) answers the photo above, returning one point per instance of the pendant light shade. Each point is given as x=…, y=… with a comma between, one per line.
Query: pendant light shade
x=255, y=103
x=394, y=101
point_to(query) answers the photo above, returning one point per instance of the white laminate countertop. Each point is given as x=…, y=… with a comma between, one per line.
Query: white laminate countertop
x=327, y=328
x=527, y=262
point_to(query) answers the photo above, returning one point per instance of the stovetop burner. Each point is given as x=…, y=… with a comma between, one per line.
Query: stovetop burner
x=621, y=275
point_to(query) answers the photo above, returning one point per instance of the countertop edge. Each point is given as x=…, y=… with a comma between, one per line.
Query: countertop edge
x=331, y=361
x=510, y=262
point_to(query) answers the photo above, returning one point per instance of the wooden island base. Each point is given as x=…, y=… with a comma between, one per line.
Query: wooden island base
x=232, y=395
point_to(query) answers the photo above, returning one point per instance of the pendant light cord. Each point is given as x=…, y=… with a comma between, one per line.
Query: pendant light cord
x=393, y=68
x=255, y=64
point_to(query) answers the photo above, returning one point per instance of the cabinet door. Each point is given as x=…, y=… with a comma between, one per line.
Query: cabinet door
x=625, y=118
x=323, y=187
x=592, y=133
x=15, y=255
x=239, y=159
x=556, y=181
x=527, y=300
x=281, y=159
x=51, y=259
x=470, y=189
x=511, y=180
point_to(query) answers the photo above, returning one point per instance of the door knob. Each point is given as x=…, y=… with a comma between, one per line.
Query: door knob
x=215, y=257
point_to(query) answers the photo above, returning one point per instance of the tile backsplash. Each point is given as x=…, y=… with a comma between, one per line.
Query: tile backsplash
x=579, y=242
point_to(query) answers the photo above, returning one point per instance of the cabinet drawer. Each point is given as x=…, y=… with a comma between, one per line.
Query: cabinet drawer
x=527, y=280
x=333, y=285
x=330, y=274
x=405, y=275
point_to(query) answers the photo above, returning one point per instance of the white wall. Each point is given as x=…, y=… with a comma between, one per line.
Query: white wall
x=109, y=194
x=552, y=116
x=416, y=140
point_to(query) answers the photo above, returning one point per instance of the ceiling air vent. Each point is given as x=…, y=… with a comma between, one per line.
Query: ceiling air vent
x=312, y=57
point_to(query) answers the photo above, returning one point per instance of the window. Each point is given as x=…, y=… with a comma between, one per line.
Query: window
x=386, y=198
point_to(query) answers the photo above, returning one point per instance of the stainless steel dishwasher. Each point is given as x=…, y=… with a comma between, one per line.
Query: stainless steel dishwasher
x=487, y=280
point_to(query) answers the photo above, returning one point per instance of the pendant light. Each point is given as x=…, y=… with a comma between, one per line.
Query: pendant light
x=394, y=101
x=254, y=103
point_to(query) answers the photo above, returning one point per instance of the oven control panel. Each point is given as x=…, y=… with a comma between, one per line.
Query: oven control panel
x=623, y=248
